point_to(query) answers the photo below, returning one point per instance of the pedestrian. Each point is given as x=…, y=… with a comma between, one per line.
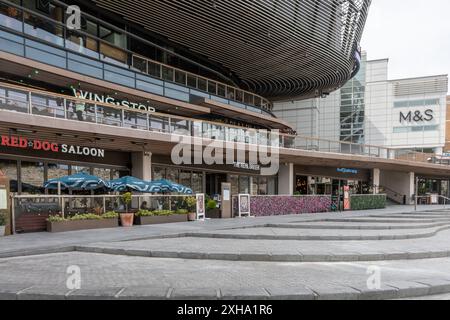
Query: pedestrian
x=80, y=107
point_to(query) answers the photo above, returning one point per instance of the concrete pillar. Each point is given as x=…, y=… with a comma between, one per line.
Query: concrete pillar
x=286, y=177
x=141, y=165
x=376, y=180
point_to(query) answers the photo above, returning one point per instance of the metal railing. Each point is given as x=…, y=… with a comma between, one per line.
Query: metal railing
x=69, y=205
x=446, y=200
x=45, y=29
x=39, y=103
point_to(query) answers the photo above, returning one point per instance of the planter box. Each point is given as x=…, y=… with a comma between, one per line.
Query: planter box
x=65, y=226
x=142, y=221
x=214, y=214
x=2, y=231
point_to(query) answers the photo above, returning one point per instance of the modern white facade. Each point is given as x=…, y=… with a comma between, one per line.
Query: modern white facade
x=371, y=109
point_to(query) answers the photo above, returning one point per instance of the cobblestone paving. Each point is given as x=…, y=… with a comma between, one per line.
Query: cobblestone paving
x=331, y=256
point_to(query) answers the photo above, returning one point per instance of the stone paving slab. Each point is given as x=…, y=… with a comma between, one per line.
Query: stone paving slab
x=280, y=250
x=321, y=235
x=15, y=245
x=118, y=277
x=356, y=226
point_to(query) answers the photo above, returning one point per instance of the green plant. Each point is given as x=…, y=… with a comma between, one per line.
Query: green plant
x=182, y=211
x=126, y=198
x=367, y=202
x=89, y=216
x=110, y=215
x=162, y=212
x=2, y=220
x=82, y=217
x=56, y=218
x=190, y=203
x=211, y=205
x=144, y=213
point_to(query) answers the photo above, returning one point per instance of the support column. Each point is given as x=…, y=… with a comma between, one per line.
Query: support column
x=141, y=165
x=286, y=177
x=376, y=180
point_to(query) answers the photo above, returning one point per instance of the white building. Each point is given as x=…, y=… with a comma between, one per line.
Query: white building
x=402, y=114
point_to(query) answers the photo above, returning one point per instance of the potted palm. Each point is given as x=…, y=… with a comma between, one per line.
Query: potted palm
x=127, y=218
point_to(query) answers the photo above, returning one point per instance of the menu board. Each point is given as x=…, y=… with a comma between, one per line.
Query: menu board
x=3, y=200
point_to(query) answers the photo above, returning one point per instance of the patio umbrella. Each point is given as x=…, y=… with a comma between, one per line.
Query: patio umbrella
x=181, y=189
x=126, y=183
x=77, y=182
x=169, y=186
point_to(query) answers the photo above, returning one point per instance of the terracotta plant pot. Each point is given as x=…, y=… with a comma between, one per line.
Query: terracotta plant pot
x=192, y=216
x=127, y=219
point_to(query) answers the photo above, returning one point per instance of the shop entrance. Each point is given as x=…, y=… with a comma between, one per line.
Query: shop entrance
x=214, y=184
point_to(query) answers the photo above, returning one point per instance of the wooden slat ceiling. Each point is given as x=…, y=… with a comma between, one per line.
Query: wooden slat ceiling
x=282, y=49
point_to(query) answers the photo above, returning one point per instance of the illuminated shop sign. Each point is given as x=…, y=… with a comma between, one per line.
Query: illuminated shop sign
x=247, y=166
x=96, y=98
x=417, y=116
x=43, y=145
x=346, y=170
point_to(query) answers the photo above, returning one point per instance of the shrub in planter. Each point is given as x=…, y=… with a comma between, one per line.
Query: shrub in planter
x=211, y=209
x=146, y=217
x=367, y=202
x=57, y=223
x=2, y=220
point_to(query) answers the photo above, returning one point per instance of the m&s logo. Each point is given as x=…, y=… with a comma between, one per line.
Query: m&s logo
x=417, y=116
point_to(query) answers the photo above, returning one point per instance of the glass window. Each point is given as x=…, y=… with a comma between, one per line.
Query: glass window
x=197, y=182
x=185, y=178
x=254, y=186
x=55, y=171
x=44, y=29
x=140, y=64
x=172, y=175
x=234, y=180
x=168, y=73
x=14, y=100
x=272, y=186
x=154, y=69
x=262, y=186
x=180, y=77
x=80, y=169
x=159, y=173
x=191, y=81
x=11, y=17
x=81, y=43
x=32, y=177
x=103, y=173
x=244, y=185
x=159, y=123
x=9, y=168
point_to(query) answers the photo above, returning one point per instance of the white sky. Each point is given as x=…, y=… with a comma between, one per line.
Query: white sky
x=413, y=34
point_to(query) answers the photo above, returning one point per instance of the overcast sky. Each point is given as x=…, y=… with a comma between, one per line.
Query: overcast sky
x=413, y=34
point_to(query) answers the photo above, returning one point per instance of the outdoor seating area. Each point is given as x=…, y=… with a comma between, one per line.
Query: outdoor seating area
x=127, y=201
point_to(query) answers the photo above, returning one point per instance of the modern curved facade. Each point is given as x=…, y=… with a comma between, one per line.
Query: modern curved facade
x=278, y=49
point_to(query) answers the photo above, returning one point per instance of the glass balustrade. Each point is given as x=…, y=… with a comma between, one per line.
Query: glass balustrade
x=110, y=47
x=61, y=107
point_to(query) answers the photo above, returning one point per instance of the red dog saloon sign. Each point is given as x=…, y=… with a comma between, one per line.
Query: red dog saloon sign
x=44, y=145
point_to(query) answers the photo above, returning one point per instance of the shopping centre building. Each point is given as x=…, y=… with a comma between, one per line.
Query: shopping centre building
x=110, y=95
x=405, y=115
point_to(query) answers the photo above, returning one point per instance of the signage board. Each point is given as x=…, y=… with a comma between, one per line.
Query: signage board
x=3, y=199
x=97, y=98
x=244, y=205
x=201, y=210
x=53, y=147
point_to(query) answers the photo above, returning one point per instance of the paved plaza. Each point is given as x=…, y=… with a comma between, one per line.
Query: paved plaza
x=395, y=253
